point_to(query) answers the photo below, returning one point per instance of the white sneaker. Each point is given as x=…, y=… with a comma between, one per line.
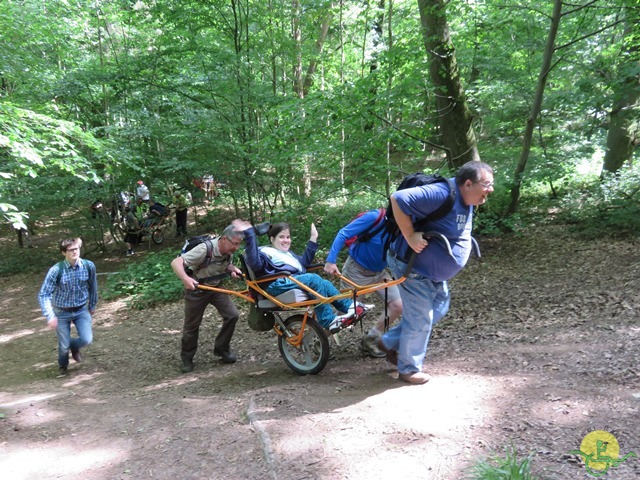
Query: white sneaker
x=359, y=308
x=346, y=319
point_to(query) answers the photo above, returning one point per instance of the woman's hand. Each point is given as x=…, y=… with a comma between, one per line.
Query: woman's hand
x=314, y=233
x=241, y=225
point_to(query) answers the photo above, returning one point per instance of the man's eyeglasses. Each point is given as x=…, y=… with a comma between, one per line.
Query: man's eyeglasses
x=75, y=249
x=486, y=185
x=236, y=243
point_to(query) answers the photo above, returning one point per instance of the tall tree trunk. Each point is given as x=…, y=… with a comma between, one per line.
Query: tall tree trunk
x=537, y=105
x=454, y=117
x=624, y=133
x=313, y=64
x=389, y=87
x=296, y=34
x=241, y=58
x=343, y=157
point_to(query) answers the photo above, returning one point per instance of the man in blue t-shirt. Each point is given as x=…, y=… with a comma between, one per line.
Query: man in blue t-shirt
x=425, y=294
x=366, y=265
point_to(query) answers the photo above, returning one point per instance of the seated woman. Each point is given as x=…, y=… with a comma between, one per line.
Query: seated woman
x=279, y=259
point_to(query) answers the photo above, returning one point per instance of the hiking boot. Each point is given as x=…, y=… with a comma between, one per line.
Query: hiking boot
x=130, y=252
x=392, y=355
x=415, y=378
x=226, y=357
x=187, y=366
x=371, y=348
x=62, y=372
x=77, y=356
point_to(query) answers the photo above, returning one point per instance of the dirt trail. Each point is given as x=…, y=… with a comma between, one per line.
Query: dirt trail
x=539, y=349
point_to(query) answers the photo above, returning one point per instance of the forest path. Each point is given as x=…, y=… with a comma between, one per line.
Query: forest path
x=539, y=349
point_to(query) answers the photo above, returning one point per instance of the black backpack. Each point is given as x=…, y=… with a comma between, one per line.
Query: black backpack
x=416, y=180
x=192, y=242
x=391, y=227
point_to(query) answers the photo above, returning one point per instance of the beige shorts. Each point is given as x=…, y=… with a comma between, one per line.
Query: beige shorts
x=360, y=275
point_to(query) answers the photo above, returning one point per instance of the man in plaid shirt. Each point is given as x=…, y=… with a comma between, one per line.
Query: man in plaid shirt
x=69, y=295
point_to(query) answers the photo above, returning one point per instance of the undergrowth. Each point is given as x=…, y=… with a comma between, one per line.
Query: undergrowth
x=147, y=282
x=508, y=467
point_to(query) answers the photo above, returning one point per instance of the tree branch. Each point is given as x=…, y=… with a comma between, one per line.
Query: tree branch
x=410, y=135
x=588, y=35
x=578, y=7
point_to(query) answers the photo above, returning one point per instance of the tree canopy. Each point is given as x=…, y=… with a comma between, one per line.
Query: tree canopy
x=308, y=101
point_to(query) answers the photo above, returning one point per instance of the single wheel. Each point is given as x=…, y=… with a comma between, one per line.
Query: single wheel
x=311, y=356
x=157, y=236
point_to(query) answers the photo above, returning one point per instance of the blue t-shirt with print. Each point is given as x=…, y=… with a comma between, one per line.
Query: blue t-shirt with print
x=434, y=262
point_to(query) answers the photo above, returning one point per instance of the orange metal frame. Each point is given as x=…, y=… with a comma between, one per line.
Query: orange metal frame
x=354, y=291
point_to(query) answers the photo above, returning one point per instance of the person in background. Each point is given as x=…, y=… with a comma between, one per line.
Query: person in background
x=133, y=234
x=425, y=292
x=366, y=265
x=69, y=295
x=182, y=205
x=142, y=191
x=191, y=268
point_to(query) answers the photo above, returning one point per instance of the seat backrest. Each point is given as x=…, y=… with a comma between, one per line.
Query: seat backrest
x=246, y=268
x=295, y=295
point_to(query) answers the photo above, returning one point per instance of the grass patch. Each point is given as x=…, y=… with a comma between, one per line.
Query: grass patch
x=146, y=283
x=508, y=467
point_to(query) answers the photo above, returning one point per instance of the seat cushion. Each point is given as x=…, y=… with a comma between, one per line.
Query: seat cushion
x=292, y=296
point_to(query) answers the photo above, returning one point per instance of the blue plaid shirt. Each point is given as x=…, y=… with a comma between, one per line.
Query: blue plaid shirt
x=75, y=288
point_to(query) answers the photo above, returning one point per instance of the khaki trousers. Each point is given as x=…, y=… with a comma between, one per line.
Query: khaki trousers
x=195, y=303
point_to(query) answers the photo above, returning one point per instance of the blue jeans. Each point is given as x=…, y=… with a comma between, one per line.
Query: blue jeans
x=82, y=320
x=324, y=287
x=424, y=303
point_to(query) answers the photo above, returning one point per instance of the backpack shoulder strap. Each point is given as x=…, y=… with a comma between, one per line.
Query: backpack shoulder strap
x=374, y=228
x=89, y=264
x=207, y=258
x=60, y=266
x=442, y=210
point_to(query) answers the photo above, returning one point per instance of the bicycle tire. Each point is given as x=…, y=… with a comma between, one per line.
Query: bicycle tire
x=157, y=236
x=313, y=354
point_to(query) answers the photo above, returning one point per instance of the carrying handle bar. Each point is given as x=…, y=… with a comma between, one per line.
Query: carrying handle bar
x=428, y=235
x=445, y=241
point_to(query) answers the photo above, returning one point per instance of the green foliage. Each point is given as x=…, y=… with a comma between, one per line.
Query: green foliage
x=503, y=468
x=146, y=283
x=490, y=223
x=609, y=207
x=32, y=144
x=172, y=94
x=27, y=260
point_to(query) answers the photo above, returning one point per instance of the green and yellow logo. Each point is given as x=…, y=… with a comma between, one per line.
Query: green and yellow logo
x=600, y=451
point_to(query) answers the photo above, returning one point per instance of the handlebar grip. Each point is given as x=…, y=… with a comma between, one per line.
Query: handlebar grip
x=440, y=236
x=476, y=247
x=427, y=235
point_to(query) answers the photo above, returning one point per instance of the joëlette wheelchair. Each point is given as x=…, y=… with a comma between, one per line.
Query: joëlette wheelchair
x=154, y=228
x=303, y=343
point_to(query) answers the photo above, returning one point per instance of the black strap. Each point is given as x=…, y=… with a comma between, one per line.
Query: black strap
x=207, y=258
x=214, y=278
x=61, y=269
